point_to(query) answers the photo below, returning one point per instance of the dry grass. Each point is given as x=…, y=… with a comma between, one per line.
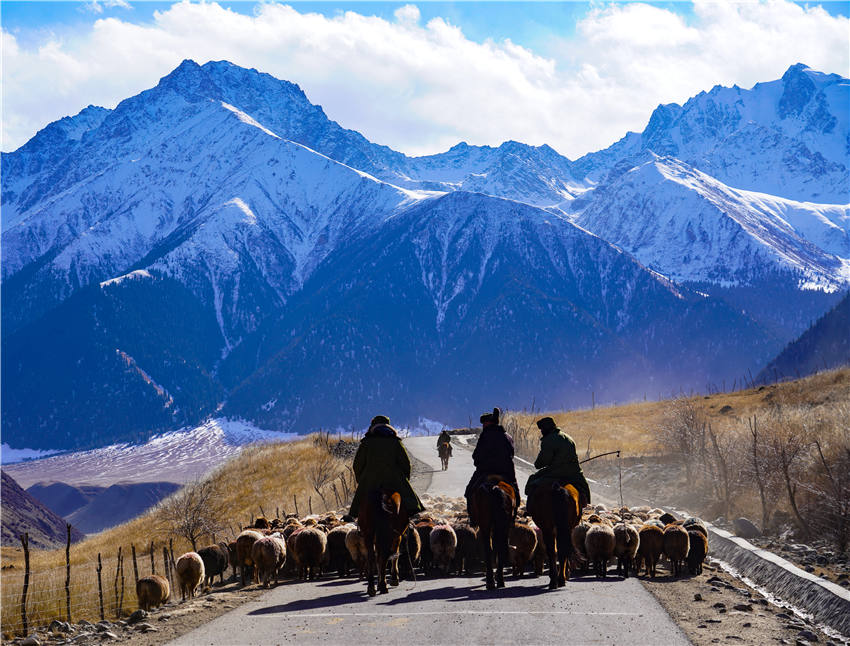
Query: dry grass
x=632, y=428
x=262, y=478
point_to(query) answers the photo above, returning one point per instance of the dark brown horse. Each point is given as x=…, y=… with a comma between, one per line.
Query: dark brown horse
x=383, y=521
x=445, y=452
x=555, y=509
x=492, y=506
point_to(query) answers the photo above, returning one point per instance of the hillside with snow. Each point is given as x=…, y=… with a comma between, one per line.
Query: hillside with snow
x=216, y=245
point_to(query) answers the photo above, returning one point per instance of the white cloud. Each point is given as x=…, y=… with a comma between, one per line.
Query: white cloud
x=424, y=87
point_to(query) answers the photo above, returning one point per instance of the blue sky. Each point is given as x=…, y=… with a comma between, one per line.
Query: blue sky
x=418, y=76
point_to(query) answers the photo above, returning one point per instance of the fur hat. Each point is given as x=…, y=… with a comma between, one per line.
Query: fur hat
x=380, y=419
x=491, y=418
x=546, y=424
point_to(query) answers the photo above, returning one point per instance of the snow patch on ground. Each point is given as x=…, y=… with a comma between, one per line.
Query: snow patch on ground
x=8, y=455
x=178, y=456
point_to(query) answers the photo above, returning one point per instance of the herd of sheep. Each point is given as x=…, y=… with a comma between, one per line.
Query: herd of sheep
x=441, y=540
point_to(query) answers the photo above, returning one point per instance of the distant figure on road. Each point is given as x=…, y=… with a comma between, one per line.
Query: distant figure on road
x=557, y=462
x=444, y=448
x=493, y=455
x=381, y=462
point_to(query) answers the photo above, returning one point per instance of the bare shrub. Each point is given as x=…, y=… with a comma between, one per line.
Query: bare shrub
x=681, y=433
x=192, y=512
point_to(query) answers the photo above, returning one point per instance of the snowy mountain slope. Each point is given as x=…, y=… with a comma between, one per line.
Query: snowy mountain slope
x=504, y=303
x=788, y=137
x=221, y=193
x=317, y=275
x=687, y=225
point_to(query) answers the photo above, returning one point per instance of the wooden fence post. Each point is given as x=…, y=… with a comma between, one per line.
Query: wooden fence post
x=135, y=564
x=310, y=504
x=25, y=541
x=115, y=583
x=165, y=562
x=100, y=586
x=153, y=563
x=295, y=502
x=121, y=600
x=68, y=572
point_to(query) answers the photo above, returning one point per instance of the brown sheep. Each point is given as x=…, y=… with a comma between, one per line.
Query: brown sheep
x=215, y=558
x=697, y=550
x=443, y=541
x=539, y=552
x=356, y=547
x=409, y=553
x=599, y=547
x=651, y=545
x=152, y=591
x=308, y=546
x=424, y=529
x=522, y=541
x=244, y=542
x=190, y=573
x=625, y=547
x=695, y=524
x=467, y=550
x=231, y=556
x=268, y=554
x=338, y=557
x=676, y=547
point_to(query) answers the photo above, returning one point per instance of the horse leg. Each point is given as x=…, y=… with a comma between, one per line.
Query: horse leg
x=488, y=557
x=394, y=572
x=370, y=566
x=382, y=574
x=564, y=542
x=549, y=540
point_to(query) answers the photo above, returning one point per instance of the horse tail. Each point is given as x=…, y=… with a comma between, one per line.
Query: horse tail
x=385, y=508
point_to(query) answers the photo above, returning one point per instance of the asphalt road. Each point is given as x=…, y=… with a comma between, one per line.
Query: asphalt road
x=447, y=610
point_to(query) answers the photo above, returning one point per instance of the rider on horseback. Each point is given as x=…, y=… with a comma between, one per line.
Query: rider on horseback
x=444, y=438
x=382, y=463
x=557, y=462
x=493, y=455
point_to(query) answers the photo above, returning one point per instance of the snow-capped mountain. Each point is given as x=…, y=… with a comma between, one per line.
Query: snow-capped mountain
x=788, y=137
x=217, y=243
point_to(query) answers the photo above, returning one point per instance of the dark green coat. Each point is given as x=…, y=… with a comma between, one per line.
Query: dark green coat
x=382, y=462
x=557, y=462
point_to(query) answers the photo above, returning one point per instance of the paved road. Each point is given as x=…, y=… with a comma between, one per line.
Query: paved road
x=447, y=610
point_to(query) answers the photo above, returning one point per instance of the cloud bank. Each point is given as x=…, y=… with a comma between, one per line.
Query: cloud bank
x=421, y=88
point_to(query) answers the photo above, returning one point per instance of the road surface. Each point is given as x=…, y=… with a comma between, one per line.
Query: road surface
x=447, y=610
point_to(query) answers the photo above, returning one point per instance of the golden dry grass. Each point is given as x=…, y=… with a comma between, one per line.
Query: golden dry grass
x=262, y=478
x=631, y=427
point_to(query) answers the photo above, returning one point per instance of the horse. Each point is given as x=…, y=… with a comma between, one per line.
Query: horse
x=445, y=452
x=492, y=506
x=382, y=521
x=555, y=509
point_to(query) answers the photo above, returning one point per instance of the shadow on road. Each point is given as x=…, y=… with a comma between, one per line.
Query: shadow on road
x=331, y=600
x=465, y=593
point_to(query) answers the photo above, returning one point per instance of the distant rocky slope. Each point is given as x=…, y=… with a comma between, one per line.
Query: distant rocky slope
x=826, y=344
x=22, y=513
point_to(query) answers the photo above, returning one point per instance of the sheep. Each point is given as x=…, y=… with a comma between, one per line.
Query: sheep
x=152, y=591
x=308, y=546
x=268, y=554
x=695, y=524
x=356, y=547
x=423, y=528
x=216, y=559
x=244, y=542
x=539, y=551
x=522, y=541
x=261, y=522
x=697, y=550
x=409, y=552
x=338, y=557
x=625, y=547
x=676, y=547
x=651, y=545
x=190, y=573
x=578, y=535
x=667, y=518
x=231, y=557
x=443, y=541
x=467, y=550
x=599, y=546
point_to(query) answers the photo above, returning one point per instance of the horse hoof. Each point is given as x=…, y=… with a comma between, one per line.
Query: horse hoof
x=394, y=583
x=371, y=592
x=553, y=585
x=500, y=584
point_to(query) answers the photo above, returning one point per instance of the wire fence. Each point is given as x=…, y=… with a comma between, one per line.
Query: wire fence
x=104, y=588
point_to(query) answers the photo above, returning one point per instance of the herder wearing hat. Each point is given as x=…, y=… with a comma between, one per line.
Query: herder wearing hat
x=382, y=463
x=493, y=455
x=557, y=462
